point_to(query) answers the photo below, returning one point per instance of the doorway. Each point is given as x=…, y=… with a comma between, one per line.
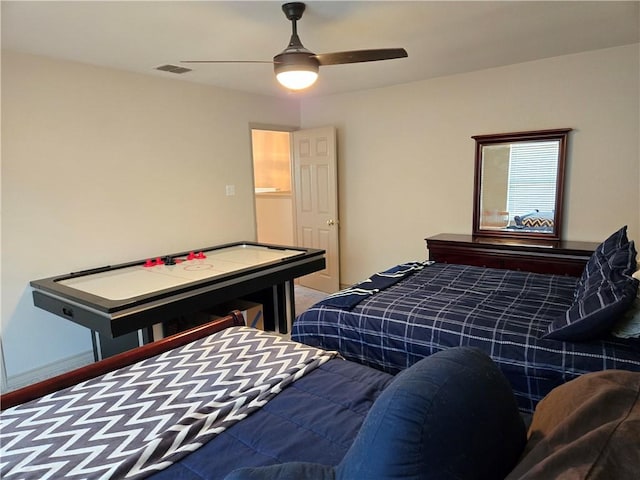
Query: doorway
x=271, y=151
x=296, y=199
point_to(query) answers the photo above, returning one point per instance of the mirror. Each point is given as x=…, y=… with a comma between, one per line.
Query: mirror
x=519, y=181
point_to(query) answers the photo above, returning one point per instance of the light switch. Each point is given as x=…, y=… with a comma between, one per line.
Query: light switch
x=230, y=190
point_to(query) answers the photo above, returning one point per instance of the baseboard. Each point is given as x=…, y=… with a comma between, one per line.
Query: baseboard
x=33, y=376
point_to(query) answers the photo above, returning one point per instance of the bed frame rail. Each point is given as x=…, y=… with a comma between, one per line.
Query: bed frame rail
x=120, y=360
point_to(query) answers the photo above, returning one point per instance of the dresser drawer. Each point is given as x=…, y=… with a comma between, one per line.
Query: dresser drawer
x=560, y=258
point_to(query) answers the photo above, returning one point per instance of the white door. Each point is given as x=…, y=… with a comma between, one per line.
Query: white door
x=316, y=199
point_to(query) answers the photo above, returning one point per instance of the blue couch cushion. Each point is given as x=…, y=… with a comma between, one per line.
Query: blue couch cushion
x=449, y=416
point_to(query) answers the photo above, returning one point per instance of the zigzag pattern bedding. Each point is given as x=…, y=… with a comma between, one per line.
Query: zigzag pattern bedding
x=502, y=312
x=142, y=418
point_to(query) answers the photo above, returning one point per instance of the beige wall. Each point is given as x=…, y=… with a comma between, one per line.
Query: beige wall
x=101, y=167
x=406, y=153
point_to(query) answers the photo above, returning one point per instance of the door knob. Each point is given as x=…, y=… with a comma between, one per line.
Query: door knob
x=331, y=222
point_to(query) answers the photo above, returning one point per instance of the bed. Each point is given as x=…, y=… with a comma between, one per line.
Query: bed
x=164, y=411
x=541, y=330
x=142, y=387
x=205, y=403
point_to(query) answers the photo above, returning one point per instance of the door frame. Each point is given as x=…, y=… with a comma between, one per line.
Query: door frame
x=290, y=130
x=276, y=128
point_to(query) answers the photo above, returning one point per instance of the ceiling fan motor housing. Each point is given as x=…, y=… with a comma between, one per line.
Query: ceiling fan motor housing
x=295, y=60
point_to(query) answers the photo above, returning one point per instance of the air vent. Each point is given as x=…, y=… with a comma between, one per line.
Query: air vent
x=173, y=69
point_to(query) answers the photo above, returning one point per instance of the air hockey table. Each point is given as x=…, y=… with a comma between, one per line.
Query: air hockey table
x=125, y=305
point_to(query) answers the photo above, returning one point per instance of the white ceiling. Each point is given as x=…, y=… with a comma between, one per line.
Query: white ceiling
x=442, y=38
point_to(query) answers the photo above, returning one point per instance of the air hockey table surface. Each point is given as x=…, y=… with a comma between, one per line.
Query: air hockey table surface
x=120, y=299
x=134, y=281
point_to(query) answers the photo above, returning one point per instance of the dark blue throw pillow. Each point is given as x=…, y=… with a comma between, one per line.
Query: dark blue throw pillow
x=605, y=295
x=617, y=267
x=614, y=242
x=594, y=313
x=605, y=250
x=449, y=416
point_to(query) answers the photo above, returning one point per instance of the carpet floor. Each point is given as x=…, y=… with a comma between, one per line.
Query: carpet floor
x=306, y=297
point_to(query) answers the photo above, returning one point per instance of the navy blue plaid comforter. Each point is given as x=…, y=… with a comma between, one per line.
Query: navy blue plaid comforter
x=502, y=312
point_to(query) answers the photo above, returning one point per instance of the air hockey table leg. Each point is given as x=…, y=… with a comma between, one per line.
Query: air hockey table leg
x=105, y=346
x=290, y=302
x=279, y=308
x=277, y=304
x=284, y=303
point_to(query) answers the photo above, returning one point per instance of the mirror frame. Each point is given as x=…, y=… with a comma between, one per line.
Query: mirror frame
x=560, y=134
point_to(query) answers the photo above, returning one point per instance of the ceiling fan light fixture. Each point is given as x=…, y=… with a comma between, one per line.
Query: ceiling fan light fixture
x=296, y=70
x=297, y=79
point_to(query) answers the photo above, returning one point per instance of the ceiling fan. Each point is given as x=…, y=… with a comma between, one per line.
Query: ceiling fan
x=297, y=68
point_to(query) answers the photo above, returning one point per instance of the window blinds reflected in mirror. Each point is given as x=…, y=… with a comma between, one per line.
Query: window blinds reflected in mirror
x=533, y=172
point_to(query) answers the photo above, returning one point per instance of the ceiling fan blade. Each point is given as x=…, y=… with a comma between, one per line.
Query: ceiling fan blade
x=226, y=61
x=356, y=56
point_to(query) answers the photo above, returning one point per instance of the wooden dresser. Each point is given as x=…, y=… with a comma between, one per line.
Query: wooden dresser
x=540, y=256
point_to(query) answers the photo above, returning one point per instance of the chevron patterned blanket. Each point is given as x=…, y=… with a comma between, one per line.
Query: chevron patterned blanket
x=140, y=419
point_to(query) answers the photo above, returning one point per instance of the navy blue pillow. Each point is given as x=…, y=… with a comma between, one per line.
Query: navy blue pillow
x=618, y=266
x=449, y=416
x=614, y=242
x=605, y=295
x=604, y=251
x=594, y=313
